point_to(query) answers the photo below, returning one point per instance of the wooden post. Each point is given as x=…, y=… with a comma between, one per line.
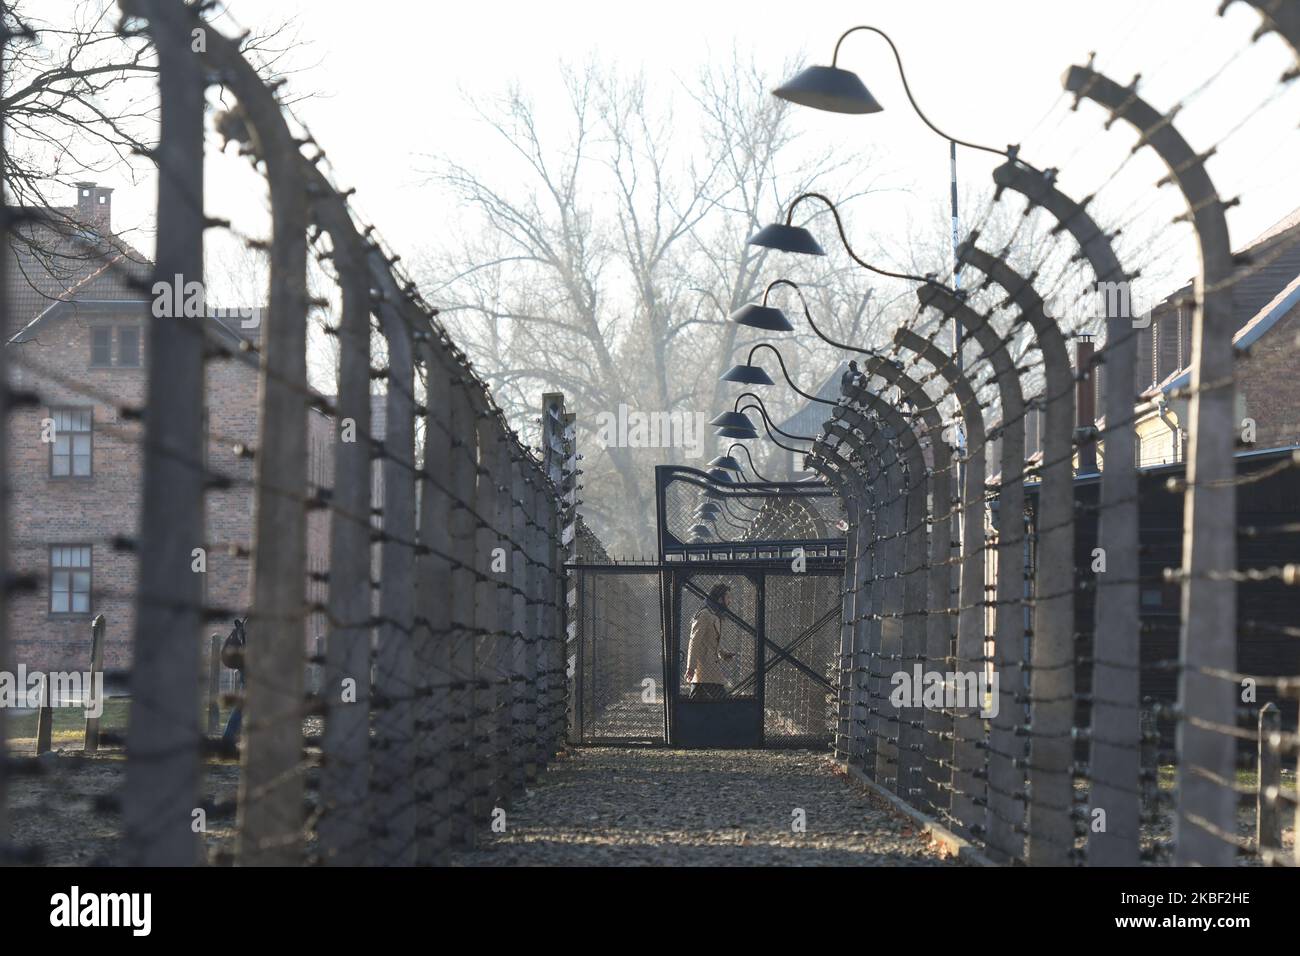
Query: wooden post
x=1268, y=822
x=162, y=758
x=91, y=743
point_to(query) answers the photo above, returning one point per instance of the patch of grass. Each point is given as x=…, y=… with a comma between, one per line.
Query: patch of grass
x=1168, y=778
x=69, y=727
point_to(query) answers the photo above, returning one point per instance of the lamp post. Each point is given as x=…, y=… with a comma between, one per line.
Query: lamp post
x=836, y=90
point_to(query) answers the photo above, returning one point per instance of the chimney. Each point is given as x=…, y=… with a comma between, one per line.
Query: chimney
x=1085, y=404
x=95, y=206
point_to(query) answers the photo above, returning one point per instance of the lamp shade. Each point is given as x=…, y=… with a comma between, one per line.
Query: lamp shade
x=709, y=509
x=725, y=462
x=731, y=420
x=747, y=375
x=743, y=434
x=720, y=476
x=701, y=531
x=784, y=238
x=828, y=88
x=762, y=317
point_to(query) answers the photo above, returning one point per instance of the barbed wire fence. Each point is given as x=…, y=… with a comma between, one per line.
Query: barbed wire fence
x=442, y=689
x=444, y=675
x=1063, y=726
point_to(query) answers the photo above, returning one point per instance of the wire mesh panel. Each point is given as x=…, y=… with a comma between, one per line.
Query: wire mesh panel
x=802, y=632
x=620, y=634
x=702, y=517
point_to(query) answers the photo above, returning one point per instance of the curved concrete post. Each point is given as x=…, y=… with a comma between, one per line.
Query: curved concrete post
x=394, y=756
x=1006, y=779
x=1051, y=676
x=937, y=722
x=858, y=483
x=879, y=594
x=903, y=637
x=1115, y=765
x=1281, y=17
x=826, y=463
x=270, y=784
x=345, y=809
x=436, y=737
x=1207, y=754
x=969, y=793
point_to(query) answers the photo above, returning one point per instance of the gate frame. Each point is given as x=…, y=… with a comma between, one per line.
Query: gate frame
x=579, y=571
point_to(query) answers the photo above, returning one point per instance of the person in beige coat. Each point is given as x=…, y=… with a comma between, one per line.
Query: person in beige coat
x=704, y=653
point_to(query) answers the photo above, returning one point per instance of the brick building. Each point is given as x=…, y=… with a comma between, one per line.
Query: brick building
x=77, y=341
x=1266, y=304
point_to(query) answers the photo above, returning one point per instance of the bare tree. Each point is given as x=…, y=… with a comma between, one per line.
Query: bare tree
x=79, y=99
x=606, y=260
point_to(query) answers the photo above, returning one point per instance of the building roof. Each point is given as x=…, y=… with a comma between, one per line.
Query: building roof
x=1246, y=336
x=810, y=418
x=52, y=257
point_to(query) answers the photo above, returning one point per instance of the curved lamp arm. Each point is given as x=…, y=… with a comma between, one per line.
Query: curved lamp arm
x=789, y=381
x=807, y=314
x=752, y=466
x=1010, y=152
x=767, y=424
x=839, y=225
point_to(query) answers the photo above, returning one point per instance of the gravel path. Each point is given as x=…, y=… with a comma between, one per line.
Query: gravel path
x=659, y=807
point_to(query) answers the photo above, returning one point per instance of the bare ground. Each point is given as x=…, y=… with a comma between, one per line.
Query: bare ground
x=659, y=807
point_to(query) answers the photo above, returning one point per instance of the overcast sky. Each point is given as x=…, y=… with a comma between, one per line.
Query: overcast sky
x=391, y=75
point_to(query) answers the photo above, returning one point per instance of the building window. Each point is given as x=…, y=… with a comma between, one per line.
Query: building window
x=70, y=579
x=128, y=346
x=70, y=453
x=101, y=346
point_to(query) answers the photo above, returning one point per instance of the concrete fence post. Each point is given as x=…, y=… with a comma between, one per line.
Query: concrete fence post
x=163, y=735
x=466, y=699
x=522, y=681
x=45, y=717
x=1006, y=778
x=1268, y=822
x=1052, y=692
x=271, y=788
x=214, y=684
x=969, y=789
x=393, y=750
x=91, y=742
x=1207, y=752
x=436, y=736
x=1115, y=638
x=345, y=689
